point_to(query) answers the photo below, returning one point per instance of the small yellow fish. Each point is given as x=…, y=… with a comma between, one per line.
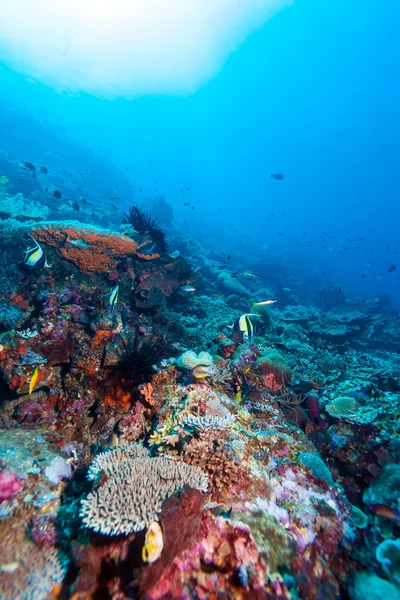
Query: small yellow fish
x=153, y=543
x=265, y=303
x=33, y=381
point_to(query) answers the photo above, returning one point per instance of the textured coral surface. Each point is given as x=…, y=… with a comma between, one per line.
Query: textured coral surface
x=270, y=465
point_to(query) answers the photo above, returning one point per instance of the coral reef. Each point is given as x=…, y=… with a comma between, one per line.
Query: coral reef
x=146, y=451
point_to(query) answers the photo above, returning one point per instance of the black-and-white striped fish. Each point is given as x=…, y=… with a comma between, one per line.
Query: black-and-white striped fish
x=245, y=326
x=112, y=298
x=33, y=255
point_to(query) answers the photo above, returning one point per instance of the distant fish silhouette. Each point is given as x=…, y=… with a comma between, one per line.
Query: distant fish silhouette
x=28, y=166
x=277, y=176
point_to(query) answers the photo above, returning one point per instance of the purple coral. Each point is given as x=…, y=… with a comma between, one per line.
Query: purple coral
x=314, y=412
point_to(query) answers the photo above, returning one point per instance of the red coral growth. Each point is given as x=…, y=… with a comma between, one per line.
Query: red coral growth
x=118, y=392
x=91, y=561
x=209, y=568
x=101, y=251
x=57, y=351
x=101, y=338
x=180, y=520
x=271, y=383
x=19, y=300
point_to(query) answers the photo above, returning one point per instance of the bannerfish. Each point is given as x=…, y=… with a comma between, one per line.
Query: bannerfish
x=153, y=543
x=112, y=298
x=33, y=380
x=265, y=303
x=251, y=275
x=245, y=326
x=33, y=255
x=57, y=194
x=277, y=176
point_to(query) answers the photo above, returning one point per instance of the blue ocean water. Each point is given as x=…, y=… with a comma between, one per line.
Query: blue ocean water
x=312, y=94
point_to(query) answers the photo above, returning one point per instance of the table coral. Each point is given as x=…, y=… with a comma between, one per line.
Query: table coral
x=134, y=490
x=346, y=407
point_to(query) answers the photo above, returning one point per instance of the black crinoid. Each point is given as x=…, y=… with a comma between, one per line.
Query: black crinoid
x=142, y=222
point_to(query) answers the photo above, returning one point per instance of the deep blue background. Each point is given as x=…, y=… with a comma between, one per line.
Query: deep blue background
x=314, y=94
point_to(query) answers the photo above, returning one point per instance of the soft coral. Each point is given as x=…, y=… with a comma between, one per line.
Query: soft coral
x=10, y=484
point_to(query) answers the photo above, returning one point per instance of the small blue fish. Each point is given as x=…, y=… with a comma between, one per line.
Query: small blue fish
x=112, y=298
x=33, y=255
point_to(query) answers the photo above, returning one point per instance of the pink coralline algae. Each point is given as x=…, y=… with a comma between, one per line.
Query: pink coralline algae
x=10, y=485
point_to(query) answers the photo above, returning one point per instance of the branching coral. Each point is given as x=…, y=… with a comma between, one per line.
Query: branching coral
x=135, y=488
x=207, y=423
x=212, y=453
